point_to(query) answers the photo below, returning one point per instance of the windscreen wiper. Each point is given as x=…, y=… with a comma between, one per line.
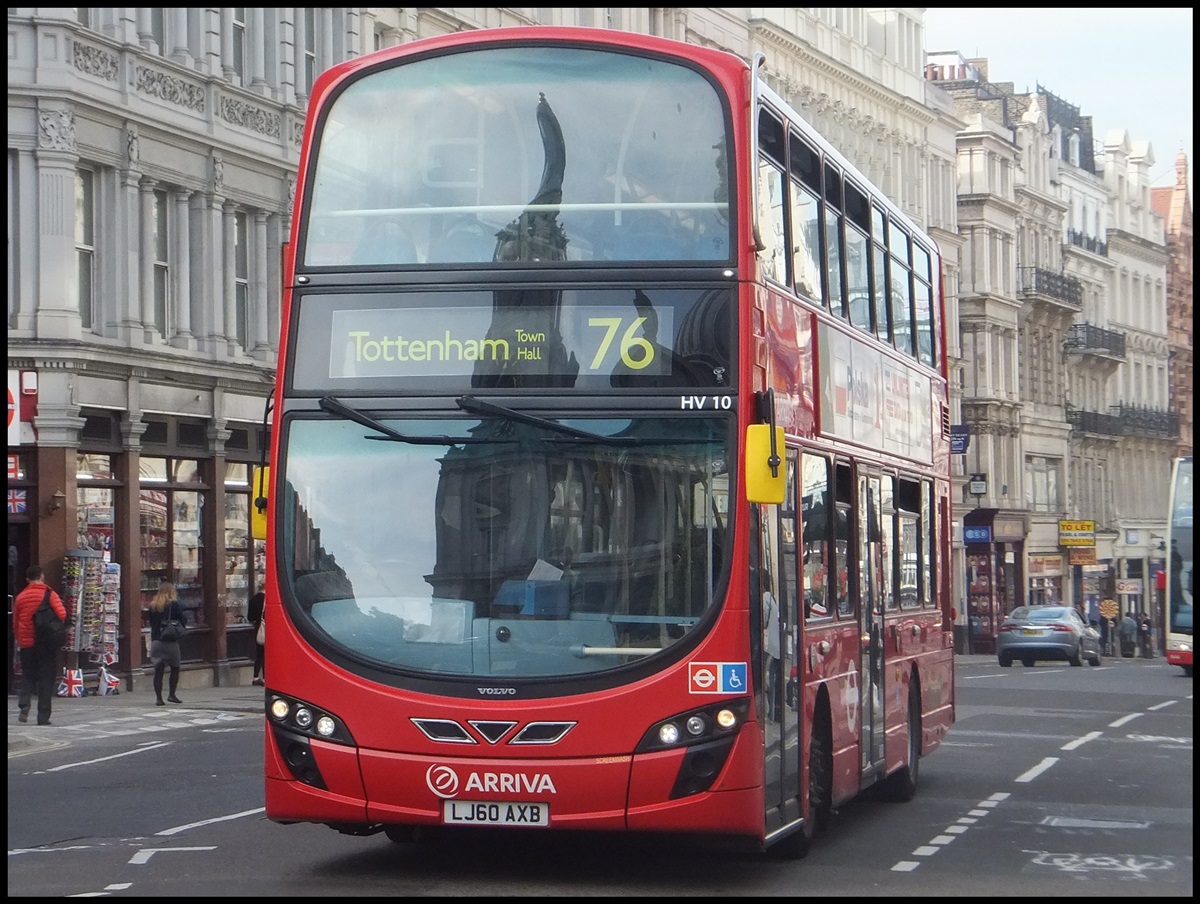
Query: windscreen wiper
x=333, y=406
x=478, y=406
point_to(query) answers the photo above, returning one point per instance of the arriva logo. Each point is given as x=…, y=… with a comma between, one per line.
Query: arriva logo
x=443, y=781
x=497, y=691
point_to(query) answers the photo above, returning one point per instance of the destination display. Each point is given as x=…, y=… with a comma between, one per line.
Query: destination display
x=537, y=338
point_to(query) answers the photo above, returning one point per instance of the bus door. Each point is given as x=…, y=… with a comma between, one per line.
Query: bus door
x=870, y=614
x=775, y=590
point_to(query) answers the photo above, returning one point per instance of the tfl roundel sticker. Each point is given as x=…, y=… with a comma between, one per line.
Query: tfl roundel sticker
x=716, y=677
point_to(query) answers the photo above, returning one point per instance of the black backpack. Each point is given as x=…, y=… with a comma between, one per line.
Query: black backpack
x=48, y=629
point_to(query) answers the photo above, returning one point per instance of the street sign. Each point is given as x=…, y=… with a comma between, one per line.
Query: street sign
x=1108, y=608
x=960, y=439
x=977, y=485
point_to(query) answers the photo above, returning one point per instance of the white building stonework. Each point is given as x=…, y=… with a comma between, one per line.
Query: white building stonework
x=1139, y=393
x=1063, y=285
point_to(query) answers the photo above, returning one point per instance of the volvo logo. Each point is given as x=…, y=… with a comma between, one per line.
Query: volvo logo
x=442, y=781
x=497, y=691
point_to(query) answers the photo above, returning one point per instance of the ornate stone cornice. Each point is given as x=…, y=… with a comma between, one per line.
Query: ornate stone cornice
x=249, y=116
x=169, y=88
x=95, y=61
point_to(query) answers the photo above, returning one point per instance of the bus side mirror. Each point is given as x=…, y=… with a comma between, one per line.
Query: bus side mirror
x=258, y=503
x=761, y=446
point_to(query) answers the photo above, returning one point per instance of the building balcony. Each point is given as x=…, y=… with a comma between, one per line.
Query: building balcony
x=1086, y=339
x=1087, y=242
x=1141, y=420
x=1057, y=288
x=1094, y=422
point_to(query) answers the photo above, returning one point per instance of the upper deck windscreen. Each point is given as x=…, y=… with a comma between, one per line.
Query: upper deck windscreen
x=521, y=155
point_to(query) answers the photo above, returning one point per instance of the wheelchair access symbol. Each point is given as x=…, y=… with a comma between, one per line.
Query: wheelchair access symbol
x=717, y=678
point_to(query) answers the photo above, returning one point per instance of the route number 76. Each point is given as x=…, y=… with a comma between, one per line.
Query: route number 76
x=636, y=351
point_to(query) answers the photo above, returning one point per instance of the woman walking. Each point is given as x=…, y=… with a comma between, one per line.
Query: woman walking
x=163, y=608
x=255, y=615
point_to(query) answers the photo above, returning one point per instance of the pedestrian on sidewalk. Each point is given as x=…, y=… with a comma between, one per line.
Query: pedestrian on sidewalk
x=1128, y=634
x=38, y=658
x=163, y=653
x=255, y=614
x=1144, y=636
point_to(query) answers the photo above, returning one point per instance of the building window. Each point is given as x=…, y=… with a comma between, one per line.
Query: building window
x=238, y=50
x=158, y=28
x=245, y=558
x=95, y=503
x=241, y=279
x=171, y=509
x=85, y=248
x=309, y=72
x=1041, y=483
x=162, y=269
x=14, y=236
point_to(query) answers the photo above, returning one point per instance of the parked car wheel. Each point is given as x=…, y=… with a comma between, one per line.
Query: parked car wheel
x=1005, y=661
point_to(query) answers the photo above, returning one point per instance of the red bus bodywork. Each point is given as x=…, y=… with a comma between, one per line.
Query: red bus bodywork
x=394, y=776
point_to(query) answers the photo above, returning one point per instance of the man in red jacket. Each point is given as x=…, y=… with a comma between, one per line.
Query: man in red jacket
x=37, y=660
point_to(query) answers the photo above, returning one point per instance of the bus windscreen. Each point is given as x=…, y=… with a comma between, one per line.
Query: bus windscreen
x=523, y=154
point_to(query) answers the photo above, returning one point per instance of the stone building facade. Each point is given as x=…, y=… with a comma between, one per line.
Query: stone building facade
x=1063, y=310
x=1174, y=205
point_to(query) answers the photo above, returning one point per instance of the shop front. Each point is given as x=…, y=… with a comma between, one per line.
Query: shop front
x=109, y=523
x=994, y=540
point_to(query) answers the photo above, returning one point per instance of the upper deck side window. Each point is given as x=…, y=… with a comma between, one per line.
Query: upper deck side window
x=521, y=155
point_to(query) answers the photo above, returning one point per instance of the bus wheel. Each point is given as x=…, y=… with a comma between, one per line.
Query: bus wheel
x=901, y=785
x=820, y=770
x=407, y=834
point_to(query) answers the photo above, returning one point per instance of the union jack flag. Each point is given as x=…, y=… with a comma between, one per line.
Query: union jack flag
x=16, y=502
x=71, y=684
x=107, y=683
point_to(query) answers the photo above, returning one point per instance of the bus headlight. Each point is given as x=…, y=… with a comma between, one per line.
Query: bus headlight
x=696, y=726
x=300, y=718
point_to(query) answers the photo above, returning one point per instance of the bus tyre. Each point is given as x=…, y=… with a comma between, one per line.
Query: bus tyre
x=901, y=785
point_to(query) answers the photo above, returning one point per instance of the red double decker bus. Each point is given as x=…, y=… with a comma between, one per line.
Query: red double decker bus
x=609, y=481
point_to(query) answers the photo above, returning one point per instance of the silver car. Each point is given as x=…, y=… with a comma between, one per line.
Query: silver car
x=1030, y=633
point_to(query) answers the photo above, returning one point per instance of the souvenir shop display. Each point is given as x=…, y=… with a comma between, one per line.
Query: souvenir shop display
x=92, y=596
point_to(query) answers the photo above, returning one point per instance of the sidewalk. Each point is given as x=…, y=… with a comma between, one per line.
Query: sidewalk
x=71, y=711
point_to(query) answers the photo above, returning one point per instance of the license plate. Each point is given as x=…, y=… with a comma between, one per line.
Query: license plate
x=1031, y=632
x=491, y=813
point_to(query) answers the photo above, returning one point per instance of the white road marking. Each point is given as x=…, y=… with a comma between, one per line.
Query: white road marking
x=142, y=857
x=115, y=756
x=1079, y=742
x=208, y=822
x=1124, y=719
x=1037, y=770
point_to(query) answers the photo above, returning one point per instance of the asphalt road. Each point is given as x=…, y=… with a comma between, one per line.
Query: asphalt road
x=1053, y=781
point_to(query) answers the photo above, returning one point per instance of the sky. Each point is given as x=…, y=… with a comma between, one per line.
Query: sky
x=1128, y=68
